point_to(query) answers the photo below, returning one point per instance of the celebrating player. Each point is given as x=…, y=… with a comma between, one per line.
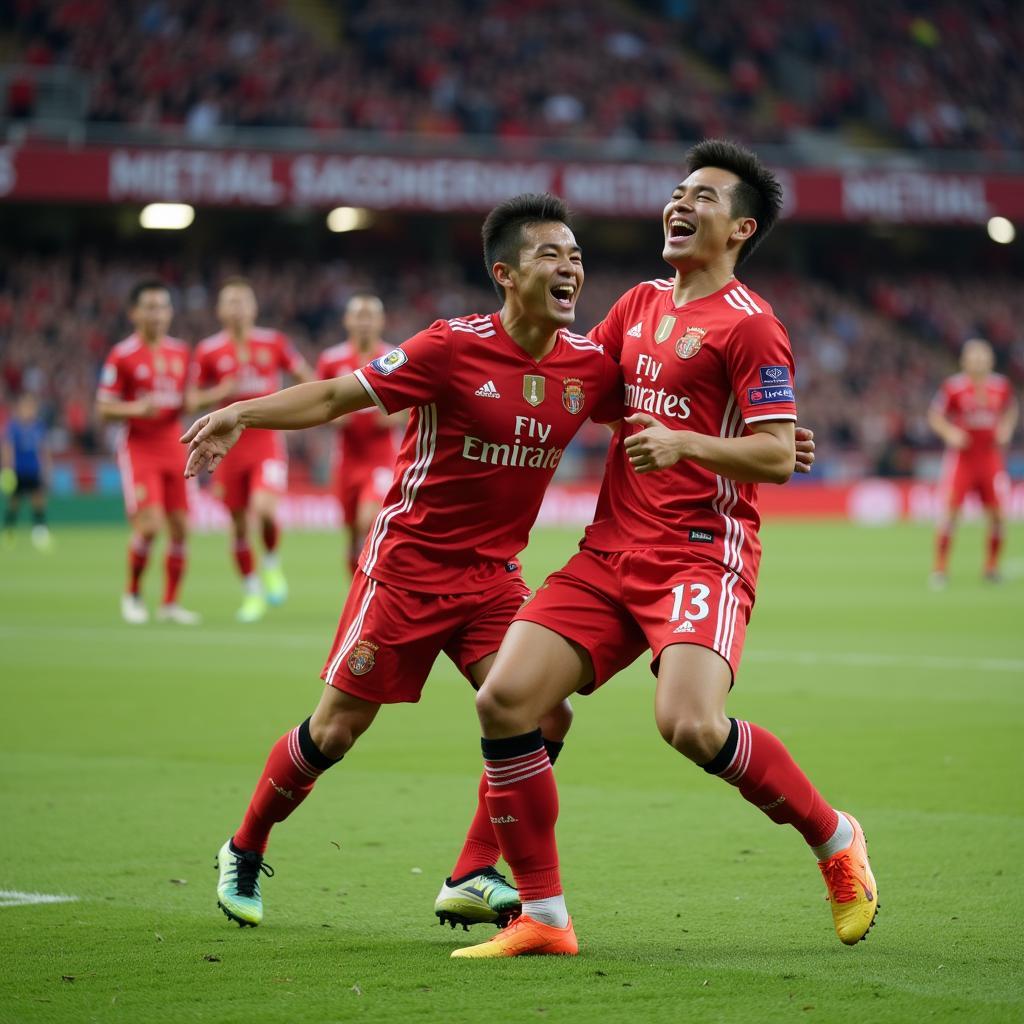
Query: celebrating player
x=494, y=401
x=24, y=469
x=366, y=443
x=245, y=361
x=975, y=414
x=670, y=561
x=143, y=384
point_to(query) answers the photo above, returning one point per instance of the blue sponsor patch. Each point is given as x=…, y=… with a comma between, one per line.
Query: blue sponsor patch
x=772, y=376
x=391, y=362
x=766, y=396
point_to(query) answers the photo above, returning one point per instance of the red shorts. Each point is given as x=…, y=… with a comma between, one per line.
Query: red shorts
x=362, y=484
x=616, y=605
x=983, y=474
x=152, y=479
x=258, y=463
x=389, y=638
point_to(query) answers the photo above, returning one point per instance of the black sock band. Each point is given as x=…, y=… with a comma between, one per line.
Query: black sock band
x=721, y=760
x=513, y=746
x=554, y=748
x=311, y=752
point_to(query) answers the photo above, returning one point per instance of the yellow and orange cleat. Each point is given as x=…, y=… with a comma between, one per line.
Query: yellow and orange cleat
x=851, y=888
x=525, y=937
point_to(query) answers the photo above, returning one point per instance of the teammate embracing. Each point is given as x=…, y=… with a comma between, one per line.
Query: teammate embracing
x=245, y=361
x=975, y=413
x=670, y=561
x=494, y=401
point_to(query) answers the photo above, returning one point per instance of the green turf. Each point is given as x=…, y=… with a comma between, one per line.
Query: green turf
x=128, y=753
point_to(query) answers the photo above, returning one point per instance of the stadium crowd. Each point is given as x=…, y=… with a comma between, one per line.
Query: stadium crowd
x=867, y=365
x=933, y=75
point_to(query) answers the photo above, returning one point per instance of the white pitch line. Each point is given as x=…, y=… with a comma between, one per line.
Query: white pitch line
x=14, y=898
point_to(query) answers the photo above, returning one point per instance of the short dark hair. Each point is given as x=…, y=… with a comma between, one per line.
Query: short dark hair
x=758, y=193
x=236, y=281
x=502, y=232
x=148, y=284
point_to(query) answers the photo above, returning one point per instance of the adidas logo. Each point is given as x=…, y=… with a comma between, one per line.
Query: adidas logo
x=488, y=391
x=636, y=331
x=686, y=627
x=286, y=793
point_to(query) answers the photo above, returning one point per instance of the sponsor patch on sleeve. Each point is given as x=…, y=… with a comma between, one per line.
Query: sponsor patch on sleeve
x=109, y=377
x=772, y=376
x=766, y=396
x=391, y=362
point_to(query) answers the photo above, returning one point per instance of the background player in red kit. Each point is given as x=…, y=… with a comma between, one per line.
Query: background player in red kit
x=143, y=384
x=670, y=561
x=495, y=399
x=245, y=361
x=975, y=413
x=365, y=460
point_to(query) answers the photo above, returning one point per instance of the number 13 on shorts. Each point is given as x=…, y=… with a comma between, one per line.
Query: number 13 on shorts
x=694, y=596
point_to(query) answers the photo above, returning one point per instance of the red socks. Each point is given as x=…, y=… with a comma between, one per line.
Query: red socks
x=523, y=803
x=942, y=542
x=995, y=545
x=138, y=556
x=271, y=535
x=294, y=764
x=758, y=764
x=174, y=569
x=243, y=557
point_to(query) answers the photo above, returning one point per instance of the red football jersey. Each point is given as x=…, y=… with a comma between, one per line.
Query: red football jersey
x=256, y=372
x=135, y=370
x=977, y=410
x=363, y=437
x=711, y=366
x=488, y=427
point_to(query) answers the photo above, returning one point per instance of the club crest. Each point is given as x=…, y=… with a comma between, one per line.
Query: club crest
x=362, y=658
x=572, y=394
x=533, y=388
x=689, y=344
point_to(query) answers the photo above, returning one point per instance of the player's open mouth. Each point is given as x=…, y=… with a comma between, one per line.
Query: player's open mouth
x=565, y=295
x=680, y=229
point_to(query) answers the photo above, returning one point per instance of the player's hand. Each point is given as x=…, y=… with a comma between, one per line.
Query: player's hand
x=145, y=408
x=210, y=438
x=655, y=447
x=804, y=450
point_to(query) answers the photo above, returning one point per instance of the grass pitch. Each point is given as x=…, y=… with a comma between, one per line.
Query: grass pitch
x=127, y=755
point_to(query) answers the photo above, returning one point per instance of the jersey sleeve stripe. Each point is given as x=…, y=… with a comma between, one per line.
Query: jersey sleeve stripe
x=472, y=330
x=748, y=297
x=772, y=416
x=737, y=303
x=361, y=377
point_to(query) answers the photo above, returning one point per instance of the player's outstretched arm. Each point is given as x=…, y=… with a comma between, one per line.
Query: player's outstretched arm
x=210, y=438
x=766, y=456
x=115, y=409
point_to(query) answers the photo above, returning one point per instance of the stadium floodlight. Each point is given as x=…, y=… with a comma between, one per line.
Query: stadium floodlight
x=167, y=216
x=1001, y=230
x=348, y=218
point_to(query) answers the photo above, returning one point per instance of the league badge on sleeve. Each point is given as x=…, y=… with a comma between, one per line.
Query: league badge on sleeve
x=109, y=378
x=391, y=362
x=689, y=344
x=774, y=375
x=572, y=394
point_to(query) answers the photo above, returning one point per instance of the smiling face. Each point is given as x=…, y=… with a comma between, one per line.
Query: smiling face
x=700, y=225
x=547, y=280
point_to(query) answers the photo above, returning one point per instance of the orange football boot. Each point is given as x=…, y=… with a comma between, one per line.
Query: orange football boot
x=525, y=937
x=851, y=888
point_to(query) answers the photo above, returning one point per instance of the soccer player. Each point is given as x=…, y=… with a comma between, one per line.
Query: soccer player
x=366, y=441
x=25, y=468
x=494, y=401
x=142, y=384
x=670, y=561
x=975, y=414
x=245, y=361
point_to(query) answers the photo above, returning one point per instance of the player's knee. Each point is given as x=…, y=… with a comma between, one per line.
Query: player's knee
x=334, y=736
x=696, y=738
x=500, y=714
x=557, y=722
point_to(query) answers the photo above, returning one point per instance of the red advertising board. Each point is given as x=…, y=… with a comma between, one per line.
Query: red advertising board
x=36, y=172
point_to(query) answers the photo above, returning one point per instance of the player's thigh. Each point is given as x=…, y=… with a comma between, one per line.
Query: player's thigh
x=263, y=503
x=689, y=700
x=147, y=520
x=177, y=524
x=534, y=671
